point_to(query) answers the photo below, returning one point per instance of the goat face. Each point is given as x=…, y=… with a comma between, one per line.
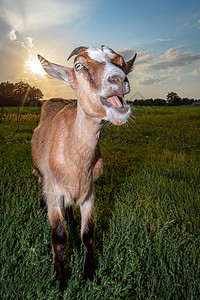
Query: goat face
x=99, y=77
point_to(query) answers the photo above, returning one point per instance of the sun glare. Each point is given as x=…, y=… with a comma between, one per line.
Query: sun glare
x=34, y=66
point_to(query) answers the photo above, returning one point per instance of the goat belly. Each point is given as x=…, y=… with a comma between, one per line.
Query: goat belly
x=114, y=101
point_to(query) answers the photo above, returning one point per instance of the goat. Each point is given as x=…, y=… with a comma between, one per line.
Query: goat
x=65, y=148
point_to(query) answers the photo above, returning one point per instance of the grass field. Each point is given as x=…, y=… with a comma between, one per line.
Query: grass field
x=147, y=212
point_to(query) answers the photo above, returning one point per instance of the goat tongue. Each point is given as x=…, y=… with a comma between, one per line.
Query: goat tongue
x=114, y=101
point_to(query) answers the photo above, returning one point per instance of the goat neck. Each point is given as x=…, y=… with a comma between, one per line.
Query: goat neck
x=86, y=128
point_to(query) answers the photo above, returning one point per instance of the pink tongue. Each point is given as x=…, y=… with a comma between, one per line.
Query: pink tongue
x=114, y=100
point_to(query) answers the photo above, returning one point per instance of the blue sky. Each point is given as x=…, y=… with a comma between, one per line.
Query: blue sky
x=165, y=34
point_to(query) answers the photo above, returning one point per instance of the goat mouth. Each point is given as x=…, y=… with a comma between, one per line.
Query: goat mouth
x=116, y=102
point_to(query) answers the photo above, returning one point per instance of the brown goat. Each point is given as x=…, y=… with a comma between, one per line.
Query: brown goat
x=65, y=147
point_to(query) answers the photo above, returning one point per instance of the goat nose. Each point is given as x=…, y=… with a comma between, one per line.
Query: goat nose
x=115, y=79
x=121, y=83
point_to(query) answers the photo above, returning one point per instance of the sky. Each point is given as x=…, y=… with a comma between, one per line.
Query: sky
x=165, y=35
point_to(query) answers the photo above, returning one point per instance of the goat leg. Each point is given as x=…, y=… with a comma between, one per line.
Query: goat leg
x=59, y=239
x=87, y=238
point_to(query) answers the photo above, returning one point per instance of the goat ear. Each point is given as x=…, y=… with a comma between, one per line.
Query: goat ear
x=129, y=64
x=57, y=71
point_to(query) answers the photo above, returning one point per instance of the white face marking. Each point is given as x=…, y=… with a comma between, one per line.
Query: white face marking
x=96, y=54
x=105, y=55
x=108, y=52
x=101, y=55
x=109, y=71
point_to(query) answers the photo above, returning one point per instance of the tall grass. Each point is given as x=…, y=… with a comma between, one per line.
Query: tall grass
x=147, y=213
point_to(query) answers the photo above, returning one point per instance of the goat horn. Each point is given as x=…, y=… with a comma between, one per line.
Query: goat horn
x=76, y=51
x=129, y=64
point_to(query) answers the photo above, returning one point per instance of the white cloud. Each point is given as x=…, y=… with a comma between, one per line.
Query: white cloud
x=29, y=42
x=149, y=80
x=173, y=58
x=23, y=19
x=144, y=58
x=163, y=40
x=25, y=15
x=12, y=35
x=165, y=70
x=186, y=24
x=195, y=72
x=198, y=24
x=10, y=16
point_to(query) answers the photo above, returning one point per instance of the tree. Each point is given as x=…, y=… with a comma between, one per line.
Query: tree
x=186, y=101
x=149, y=102
x=35, y=95
x=19, y=94
x=173, y=99
x=159, y=102
x=6, y=92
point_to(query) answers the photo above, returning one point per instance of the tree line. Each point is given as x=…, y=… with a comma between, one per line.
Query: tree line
x=172, y=99
x=22, y=94
x=19, y=94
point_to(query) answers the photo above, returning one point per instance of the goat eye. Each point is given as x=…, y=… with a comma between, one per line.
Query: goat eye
x=78, y=66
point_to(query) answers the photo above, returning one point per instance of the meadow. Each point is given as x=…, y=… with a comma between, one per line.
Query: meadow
x=147, y=212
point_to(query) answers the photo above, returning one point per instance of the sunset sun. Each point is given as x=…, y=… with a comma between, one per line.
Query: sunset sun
x=34, y=66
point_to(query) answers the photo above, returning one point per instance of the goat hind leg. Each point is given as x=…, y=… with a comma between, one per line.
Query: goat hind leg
x=42, y=195
x=59, y=238
x=87, y=211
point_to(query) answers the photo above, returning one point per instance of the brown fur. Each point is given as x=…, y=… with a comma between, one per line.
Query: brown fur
x=76, y=163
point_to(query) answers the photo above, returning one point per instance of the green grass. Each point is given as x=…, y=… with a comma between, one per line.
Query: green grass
x=147, y=212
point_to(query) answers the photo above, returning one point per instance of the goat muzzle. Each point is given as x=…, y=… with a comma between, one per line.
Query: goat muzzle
x=122, y=83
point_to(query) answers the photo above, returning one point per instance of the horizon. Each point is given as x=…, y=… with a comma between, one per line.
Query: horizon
x=165, y=36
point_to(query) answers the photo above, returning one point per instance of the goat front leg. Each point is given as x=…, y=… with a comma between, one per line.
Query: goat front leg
x=59, y=238
x=87, y=212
